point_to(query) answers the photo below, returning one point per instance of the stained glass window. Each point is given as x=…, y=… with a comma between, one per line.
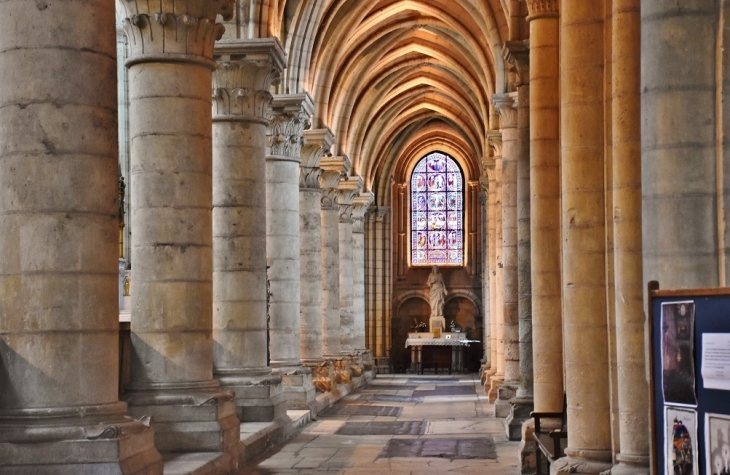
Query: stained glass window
x=437, y=212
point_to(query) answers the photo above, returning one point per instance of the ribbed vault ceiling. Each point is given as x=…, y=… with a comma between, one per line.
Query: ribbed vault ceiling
x=394, y=79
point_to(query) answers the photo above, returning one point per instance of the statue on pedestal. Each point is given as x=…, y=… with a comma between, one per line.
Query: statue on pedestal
x=438, y=292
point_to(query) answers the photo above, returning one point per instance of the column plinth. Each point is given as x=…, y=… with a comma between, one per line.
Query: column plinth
x=246, y=70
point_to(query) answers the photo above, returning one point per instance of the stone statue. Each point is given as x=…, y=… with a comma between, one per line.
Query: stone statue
x=438, y=292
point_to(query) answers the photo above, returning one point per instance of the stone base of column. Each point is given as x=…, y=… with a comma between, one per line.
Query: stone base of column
x=259, y=396
x=492, y=388
x=630, y=465
x=505, y=393
x=519, y=413
x=299, y=390
x=98, y=444
x=323, y=375
x=484, y=372
x=527, y=448
x=382, y=364
x=357, y=366
x=189, y=420
x=367, y=359
x=594, y=462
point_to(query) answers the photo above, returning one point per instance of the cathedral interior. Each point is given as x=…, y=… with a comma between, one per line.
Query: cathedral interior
x=215, y=211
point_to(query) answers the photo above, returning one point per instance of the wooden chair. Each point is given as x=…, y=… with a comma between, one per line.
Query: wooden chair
x=550, y=443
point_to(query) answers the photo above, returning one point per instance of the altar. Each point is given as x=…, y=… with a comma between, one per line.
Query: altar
x=446, y=351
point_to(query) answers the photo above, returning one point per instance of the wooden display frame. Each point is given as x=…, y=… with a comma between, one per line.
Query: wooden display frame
x=711, y=315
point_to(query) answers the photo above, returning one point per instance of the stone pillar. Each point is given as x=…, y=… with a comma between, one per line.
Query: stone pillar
x=496, y=374
x=170, y=71
x=517, y=55
x=291, y=117
x=361, y=203
x=633, y=388
x=506, y=106
x=59, y=241
x=348, y=189
x=246, y=69
x=486, y=277
x=317, y=144
x=381, y=314
x=547, y=326
x=583, y=236
x=332, y=171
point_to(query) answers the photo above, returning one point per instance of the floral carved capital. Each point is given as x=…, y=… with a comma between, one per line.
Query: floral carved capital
x=542, y=8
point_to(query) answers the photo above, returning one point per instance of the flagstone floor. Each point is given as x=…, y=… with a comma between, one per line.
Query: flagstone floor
x=400, y=425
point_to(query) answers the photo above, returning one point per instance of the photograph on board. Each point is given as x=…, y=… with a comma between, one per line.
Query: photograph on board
x=717, y=444
x=678, y=362
x=680, y=441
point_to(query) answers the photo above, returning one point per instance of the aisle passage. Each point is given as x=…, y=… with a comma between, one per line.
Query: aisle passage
x=401, y=425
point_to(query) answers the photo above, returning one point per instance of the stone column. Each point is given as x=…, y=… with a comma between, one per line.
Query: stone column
x=59, y=241
x=349, y=189
x=381, y=314
x=506, y=106
x=333, y=169
x=517, y=55
x=547, y=326
x=486, y=274
x=685, y=201
x=291, y=117
x=633, y=388
x=170, y=71
x=241, y=95
x=361, y=203
x=317, y=144
x=583, y=236
x=496, y=373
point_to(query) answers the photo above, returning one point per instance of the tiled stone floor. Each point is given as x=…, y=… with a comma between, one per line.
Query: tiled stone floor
x=400, y=425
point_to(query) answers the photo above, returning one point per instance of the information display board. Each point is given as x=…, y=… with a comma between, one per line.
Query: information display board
x=690, y=380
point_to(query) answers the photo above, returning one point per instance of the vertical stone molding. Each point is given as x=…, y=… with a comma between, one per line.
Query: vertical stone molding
x=633, y=388
x=291, y=115
x=170, y=70
x=506, y=106
x=379, y=316
x=494, y=165
x=361, y=204
x=547, y=326
x=348, y=190
x=317, y=144
x=517, y=55
x=246, y=70
x=584, y=237
x=333, y=170
x=59, y=246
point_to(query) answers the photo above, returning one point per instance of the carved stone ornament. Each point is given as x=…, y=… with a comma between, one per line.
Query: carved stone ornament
x=494, y=137
x=360, y=206
x=506, y=107
x=246, y=71
x=517, y=56
x=542, y=8
x=290, y=117
x=189, y=32
x=309, y=178
x=334, y=169
x=329, y=199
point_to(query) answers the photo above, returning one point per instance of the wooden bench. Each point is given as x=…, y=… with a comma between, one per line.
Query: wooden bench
x=550, y=443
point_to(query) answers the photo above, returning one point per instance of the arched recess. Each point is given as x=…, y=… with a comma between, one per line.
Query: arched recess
x=412, y=308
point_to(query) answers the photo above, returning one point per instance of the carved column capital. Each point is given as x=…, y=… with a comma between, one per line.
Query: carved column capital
x=517, y=56
x=291, y=115
x=494, y=137
x=186, y=33
x=317, y=143
x=506, y=107
x=360, y=207
x=542, y=9
x=380, y=212
x=333, y=169
x=246, y=71
x=349, y=189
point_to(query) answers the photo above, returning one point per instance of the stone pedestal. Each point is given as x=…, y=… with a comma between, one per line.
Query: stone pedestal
x=171, y=199
x=239, y=233
x=291, y=117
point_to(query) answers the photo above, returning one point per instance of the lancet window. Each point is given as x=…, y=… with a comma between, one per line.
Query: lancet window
x=437, y=212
